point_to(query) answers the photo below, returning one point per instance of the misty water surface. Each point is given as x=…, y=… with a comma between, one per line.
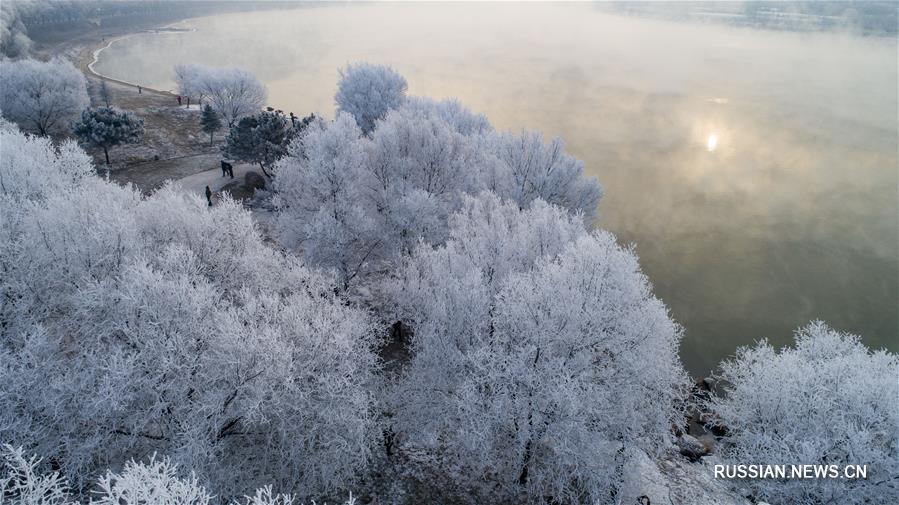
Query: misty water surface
x=756, y=171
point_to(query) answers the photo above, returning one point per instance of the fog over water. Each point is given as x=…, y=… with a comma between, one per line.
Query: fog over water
x=756, y=171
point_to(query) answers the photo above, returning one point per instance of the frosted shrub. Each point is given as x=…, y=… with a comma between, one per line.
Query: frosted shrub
x=22, y=482
x=265, y=496
x=154, y=482
x=827, y=400
x=157, y=481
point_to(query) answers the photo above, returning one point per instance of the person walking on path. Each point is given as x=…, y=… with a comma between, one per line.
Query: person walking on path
x=227, y=169
x=179, y=100
x=140, y=90
x=209, y=196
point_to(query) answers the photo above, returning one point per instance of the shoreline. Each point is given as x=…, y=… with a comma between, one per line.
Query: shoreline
x=94, y=50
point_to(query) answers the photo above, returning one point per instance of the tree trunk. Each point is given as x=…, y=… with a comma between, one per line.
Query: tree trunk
x=529, y=445
x=619, y=466
x=263, y=170
x=106, y=152
x=210, y=137
x=388, y=441
x=523, y=476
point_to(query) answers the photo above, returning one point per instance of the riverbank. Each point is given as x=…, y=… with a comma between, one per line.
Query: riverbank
x=86, y=65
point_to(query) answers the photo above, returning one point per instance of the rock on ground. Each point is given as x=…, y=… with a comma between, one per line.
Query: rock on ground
x=691, y=447
x=254, y=180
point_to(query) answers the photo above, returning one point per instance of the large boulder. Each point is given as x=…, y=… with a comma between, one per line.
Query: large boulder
x=254, y=180
x=691, y=447
x=238, y=191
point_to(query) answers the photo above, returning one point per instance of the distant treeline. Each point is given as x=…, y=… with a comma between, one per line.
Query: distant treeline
x=37, y=13
x=858, y=16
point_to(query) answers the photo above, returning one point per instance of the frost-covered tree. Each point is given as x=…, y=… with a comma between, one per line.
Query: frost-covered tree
x=261, y=138
x=321, y=200
x=406, y=177
x=452, y=112
x=209, y=121
x=107, y=127
x=133, y=325
x=827, y=400
x=105, y=93
x=235, y=93
x=42, y=97
x=14, y=41
x=192, y=80
x=232, y=92
x=418, y=168
x=368, y=92
x=529, y=372
x=532, y=169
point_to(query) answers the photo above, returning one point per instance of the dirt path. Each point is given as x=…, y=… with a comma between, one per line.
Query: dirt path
x=152, y=174
x=196, y=183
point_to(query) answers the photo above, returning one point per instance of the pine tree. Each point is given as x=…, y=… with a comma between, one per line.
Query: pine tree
x=106, y=127
x=261, y=139
x=210, y=121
